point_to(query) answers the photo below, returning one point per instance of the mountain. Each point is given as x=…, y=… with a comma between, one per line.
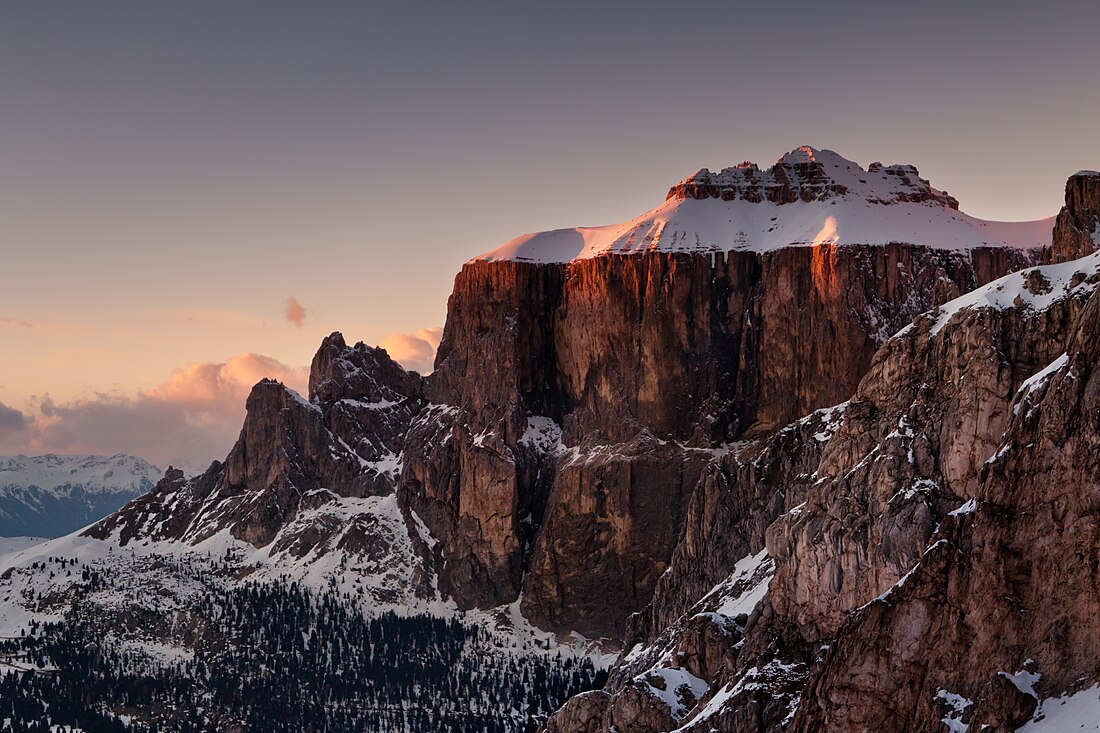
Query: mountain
x=809, y=197
x=51, y=495
x=782, y=449
x=1077, y=228
x=691, y=330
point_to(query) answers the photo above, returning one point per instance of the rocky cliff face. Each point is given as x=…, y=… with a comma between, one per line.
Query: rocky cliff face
x=1000, y=609
x=646, y=363
x=295, y=481
x=905, y=466
x=1077, y=228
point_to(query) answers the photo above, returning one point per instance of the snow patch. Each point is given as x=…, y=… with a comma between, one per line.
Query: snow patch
x=1024, y=680
x=681, y=689
x=744, y=588
x=1031, y=383
x=1079, y=711
x=957, y=705
x=969, y=507
x=542, y=434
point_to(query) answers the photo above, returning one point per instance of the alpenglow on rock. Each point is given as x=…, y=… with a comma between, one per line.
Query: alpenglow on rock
x=810, y=197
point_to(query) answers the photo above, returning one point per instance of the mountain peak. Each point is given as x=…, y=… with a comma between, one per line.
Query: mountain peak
x=120, y=472
x=809, y=197
x=804, y=154
x=808, y=174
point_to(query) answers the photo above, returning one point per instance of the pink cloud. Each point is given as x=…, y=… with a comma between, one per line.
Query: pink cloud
x=191, y=419
x=220, y=387
x=415, y=351
x=295, y=312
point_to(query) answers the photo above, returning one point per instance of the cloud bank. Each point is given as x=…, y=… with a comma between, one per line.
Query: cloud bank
x=191, y=419
x=12, y=421
x=415, y=351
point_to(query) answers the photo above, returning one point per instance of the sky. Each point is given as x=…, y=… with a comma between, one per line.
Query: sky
x=192, y=195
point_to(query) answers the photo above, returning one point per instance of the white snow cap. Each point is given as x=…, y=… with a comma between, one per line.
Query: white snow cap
x=119, y=472
x=810, y=197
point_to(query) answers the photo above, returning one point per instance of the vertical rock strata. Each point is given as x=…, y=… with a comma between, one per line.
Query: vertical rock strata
x=1077, y=228
x=641, y=366
x=886, y=569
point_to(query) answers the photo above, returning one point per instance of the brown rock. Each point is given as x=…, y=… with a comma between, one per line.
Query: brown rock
x=1006, y=583
x=695, y=349
x=1077, y=228
x=292, y=454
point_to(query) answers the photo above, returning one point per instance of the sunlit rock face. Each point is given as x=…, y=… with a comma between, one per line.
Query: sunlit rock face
x=807, y=174
x=736, y=434
x=645, y=347
x=296, y=459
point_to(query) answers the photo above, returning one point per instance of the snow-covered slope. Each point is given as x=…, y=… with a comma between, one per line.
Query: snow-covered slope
x=52, y=495
x=10, y=545
x=810, y=197
x=1034, y=289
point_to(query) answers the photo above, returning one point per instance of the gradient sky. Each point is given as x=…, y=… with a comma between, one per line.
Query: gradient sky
x=171, y=174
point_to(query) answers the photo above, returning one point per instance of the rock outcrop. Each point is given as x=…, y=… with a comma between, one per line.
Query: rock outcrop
x=904, y=469
x=706, y=433
x=1001, y=609
x=1077, y=228
x=293, y=456
x=641, y=365
x=808, y=175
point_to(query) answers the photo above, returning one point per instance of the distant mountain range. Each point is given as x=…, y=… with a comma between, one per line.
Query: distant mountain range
x=52, y=495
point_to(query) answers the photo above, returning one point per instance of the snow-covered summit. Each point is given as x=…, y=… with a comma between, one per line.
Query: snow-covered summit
x=809, y=197
x=808, y=174
x=95, y=474
x=52, y=495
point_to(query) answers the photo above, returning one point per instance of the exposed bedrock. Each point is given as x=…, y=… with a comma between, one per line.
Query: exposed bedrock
x=292, y=455
x=1077, y=228
x=1002, y=609
x=551, y=375
x=858, y=494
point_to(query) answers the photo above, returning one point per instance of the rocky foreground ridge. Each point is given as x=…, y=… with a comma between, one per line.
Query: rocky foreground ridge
x=728, y=456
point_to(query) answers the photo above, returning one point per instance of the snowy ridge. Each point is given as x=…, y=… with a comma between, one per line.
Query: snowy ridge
x=96, y=474
x=51, y=495
x=807, y=174
x=878, y=206
x=163, y=576
x=1035, y=289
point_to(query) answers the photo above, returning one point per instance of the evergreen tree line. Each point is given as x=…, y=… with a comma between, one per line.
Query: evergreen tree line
x=281, y=658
